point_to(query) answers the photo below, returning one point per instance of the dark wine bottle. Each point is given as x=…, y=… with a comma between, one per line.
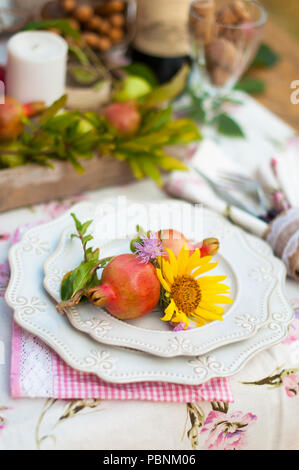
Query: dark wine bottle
x=161, y=37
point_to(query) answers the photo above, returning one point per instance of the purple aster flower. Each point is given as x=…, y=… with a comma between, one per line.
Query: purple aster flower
x=180, y=327
x=149, y=248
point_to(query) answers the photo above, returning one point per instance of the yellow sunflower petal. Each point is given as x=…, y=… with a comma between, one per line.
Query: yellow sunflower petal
x=169, y=311
x=212, y=308
x=172, y=262
x=162, y=280
x=182, y=259
x=209, y=280
x=204, y=269
x=168, y=272
x=195, y=260
x=222, y=299
x=207, y=315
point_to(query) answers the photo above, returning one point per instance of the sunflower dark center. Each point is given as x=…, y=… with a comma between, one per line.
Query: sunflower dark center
x=186, y=293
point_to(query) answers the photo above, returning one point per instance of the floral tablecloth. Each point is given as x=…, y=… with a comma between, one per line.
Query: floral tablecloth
x=266, y=408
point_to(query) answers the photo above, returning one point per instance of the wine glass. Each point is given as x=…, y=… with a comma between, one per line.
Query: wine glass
x=224, y=36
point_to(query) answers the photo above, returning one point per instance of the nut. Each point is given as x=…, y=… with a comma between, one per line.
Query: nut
x=104, y=28
x=117, y=20
x=116, y=34
x=227, y=15
x=104, y=44
x=95, y=23
x=108, y=8
x=219, y=76
x=91, y=39
x=220, y=52
x=83, y=13
x=203, y=29
x=68, y=5
x=241, y=10
x=74, y=23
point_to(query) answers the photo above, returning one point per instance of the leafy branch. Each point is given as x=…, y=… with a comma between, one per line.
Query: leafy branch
x=76, y=283
x=74, y=136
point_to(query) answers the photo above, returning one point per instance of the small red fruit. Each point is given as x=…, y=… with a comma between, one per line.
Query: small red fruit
x=175, y=240
x=125, y=117
x=11, y=115
x=128, y=290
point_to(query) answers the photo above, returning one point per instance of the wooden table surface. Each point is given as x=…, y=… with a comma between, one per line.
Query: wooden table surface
x=278, y=78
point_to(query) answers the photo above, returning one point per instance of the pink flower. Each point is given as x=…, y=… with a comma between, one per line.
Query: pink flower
x=291, y=385
x=180, y=327
x=4, y=277
x=293, y=330
x=4, y=237
x=226, y=431
x=149, y=248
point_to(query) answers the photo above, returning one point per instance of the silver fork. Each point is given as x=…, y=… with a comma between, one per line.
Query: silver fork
x=244, y=184
x=225, y=195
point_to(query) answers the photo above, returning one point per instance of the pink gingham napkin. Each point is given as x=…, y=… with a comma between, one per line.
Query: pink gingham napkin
x=37, y=371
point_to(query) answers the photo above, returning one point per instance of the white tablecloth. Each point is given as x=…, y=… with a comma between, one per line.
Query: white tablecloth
x=265, y=412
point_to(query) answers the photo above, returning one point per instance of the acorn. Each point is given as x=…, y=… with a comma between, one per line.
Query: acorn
x=219, y=76
x=241, y=10
x=108, y=8
x=104, y=27
x=74, y=23
x=116, y=34
x=104, y=44
x=68, y=5
x=91, y=39
x=95, y=23
x=117, y=20
x=222, y=53
x=83, y=13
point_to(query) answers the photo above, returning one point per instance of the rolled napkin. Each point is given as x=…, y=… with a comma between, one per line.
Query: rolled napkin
x=283, y=236
x=282, y=233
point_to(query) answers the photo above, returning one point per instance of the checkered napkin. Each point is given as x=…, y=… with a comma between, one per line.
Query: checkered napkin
x=37, y=371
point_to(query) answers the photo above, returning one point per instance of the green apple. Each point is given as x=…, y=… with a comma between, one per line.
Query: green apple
x=132, y=87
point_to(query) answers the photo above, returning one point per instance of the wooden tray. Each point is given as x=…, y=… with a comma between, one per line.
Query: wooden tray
x=33, y=184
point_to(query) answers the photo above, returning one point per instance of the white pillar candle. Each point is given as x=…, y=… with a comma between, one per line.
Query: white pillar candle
x=36, y=67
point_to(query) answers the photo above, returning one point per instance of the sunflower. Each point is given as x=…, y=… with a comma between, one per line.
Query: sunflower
x=189, y=294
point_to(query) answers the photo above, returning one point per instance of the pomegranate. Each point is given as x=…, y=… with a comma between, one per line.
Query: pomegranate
x=175, y=240
x=125, y=117
x=128, y=289
x=12, y=114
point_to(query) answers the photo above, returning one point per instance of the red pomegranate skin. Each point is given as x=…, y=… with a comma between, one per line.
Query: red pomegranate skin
x=11, y=114
x=125, y=117
x=129, y=289
x=175, y=240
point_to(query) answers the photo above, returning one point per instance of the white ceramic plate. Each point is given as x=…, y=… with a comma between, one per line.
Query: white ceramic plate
x=35, y=312
x=248, y=271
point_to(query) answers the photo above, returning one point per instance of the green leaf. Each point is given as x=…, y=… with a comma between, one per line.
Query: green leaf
x=168, y=163
x=79, y=54
x=77, y=222
x=66, y=289
x=154, y=120
x=265, y=57
x=82, y=275
x=63, y=25
x=168, y=91
x=143, y=71
x=228, y=126
x=53, y=110
x=150, y=169
x=135, y=167
x=72, y=157
x=251, y=85
x=84, y=75
x=84, y=227
x=196, y=110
